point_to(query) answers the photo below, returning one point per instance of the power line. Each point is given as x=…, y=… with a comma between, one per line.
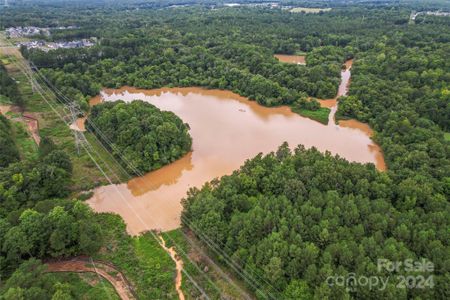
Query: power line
x=126, y=161
x=218, y=249
x=74, y=113
x=86, y=146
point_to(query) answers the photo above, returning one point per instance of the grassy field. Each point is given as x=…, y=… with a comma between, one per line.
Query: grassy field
x=309, y=10
x=87, y=286
x=320, y=115
x=26, y=145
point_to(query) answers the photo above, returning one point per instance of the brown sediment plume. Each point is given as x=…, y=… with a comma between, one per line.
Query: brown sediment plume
x=364, y=127
x=178, y=266
x=328, y=103
x=166, y=175
x=79, y=124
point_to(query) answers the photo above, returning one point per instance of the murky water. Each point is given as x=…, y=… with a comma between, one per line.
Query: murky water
x=178, y=266
x=293, y=59
x=342, y=91
x=226, y=130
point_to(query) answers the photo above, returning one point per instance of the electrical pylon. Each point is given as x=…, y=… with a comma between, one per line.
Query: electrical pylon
x=75, y=112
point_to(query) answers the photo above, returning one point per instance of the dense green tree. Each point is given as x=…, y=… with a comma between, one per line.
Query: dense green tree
x=63, y=231
x=8, y=152
x=314, y=216
x=24, y=183
x=8, y=88
x=290, y=220
x=46, y=146
x=148, y=137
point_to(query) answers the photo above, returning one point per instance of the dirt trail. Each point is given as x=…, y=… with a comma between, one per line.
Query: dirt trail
x=4, y=109
x=179, y=266
x=28, y=119
x=33, y=127
x=78, y=125
x=118, y=280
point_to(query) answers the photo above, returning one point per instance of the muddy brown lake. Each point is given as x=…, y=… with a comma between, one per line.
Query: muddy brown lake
x=226, y=130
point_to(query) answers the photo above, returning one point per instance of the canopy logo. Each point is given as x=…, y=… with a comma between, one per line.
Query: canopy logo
x=413, y=275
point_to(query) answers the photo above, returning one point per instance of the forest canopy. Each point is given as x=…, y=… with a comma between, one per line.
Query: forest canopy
x=292, y=220
x=8, y=88
x=8, y=152
x=145, y=136
x=36, y=218
x=289, y=220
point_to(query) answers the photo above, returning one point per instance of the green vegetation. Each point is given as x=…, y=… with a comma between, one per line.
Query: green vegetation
x=30, y=281
x=61, y=231
x=147, y=137
x=26, y=182
x=294, y=219
x=85, y=174
x=319, y=115
x=171, y=48
x=34, y=221
x=36, y=218
x=349, y=107
x=34, y=224
x=199, y=263
x=8, y=88
x=87, y=286
x=447, y=136
x=8, y=152
x=300, y=53
x=309, y=10
x=141, y=259
x=289, y=220
x=26, y=145
x=310, y=108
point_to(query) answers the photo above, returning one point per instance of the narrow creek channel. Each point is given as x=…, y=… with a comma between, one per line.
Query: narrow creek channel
x=178, y=265
x=332, y=104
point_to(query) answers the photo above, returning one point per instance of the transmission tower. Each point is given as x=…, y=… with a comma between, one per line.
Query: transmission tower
x=33, y=87
x=75, y=112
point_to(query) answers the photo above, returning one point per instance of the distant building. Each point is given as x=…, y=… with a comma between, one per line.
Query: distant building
x=17, y=32
x=47, y=46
